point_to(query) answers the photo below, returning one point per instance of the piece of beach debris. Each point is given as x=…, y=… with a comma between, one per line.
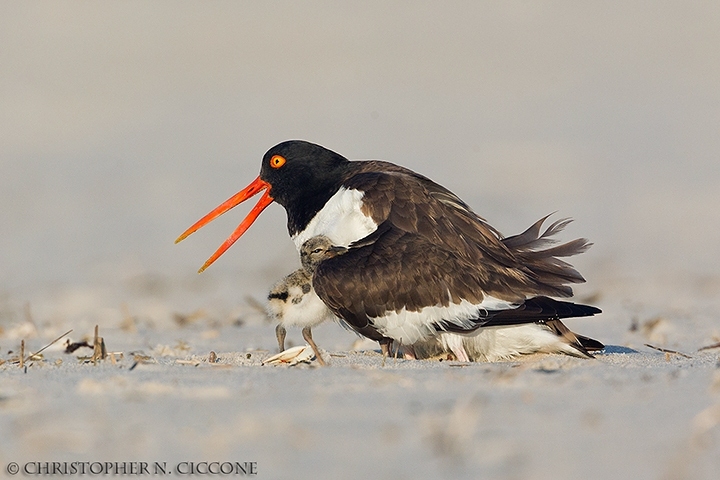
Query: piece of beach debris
x=212, y=357
x=140, y=358
x=35, y=356
x=70, y=347
x=197, y=362
x=709, y=347
x=194, y=363
x=667, y=352
x=115, y=356
x=99, y=350
x=291, y=356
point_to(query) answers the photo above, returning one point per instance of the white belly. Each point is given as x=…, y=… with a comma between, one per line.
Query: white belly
x=503, y=343
x=300, y=309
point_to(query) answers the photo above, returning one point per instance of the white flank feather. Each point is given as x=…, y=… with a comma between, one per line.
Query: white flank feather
x=410, y=327
x=502, y=343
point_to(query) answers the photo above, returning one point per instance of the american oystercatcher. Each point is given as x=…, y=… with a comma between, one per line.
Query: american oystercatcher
x=420, y=265
x=293, y=301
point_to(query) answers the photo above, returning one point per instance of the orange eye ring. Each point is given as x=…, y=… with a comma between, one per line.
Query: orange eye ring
x=277, y=161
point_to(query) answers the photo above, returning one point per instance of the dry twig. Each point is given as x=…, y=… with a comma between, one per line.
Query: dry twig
x=709, y=347
x=46, y=346
x=34, y=356
x=664, y=350
x=99, y=350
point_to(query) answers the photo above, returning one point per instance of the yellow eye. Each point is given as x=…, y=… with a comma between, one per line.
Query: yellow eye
x=277, y=161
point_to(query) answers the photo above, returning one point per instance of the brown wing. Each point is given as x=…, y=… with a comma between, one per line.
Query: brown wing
x=392, y=269
x=387, y=271
x=416, y=205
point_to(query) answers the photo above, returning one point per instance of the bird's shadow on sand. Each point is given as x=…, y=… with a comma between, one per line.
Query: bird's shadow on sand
x=617, y=349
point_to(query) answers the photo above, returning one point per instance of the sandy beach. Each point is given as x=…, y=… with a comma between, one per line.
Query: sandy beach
x=633, y=412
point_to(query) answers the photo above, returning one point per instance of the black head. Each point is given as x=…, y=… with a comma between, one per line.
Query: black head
x=302, y=177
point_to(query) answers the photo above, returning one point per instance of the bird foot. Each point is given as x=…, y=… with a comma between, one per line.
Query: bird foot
x=409, y=352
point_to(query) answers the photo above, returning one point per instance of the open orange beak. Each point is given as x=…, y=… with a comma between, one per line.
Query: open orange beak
x=253, y=189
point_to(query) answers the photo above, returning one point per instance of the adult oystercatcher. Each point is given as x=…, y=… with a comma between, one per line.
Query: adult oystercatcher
x=293, y=301
x=420, y=265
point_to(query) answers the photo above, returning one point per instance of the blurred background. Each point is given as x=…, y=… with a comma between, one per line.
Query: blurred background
x=122, y=123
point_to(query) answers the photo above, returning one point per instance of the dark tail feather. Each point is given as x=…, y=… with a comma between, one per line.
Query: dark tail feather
x=582, y=344
x=531, y=239
x=542, y=261
x=532, y=310
x=540, y=309
x=590, y=344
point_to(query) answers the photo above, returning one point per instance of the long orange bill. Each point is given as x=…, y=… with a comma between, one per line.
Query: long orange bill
x=251, y=190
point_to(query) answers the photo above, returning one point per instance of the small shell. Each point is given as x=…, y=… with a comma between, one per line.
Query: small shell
x=291, y=356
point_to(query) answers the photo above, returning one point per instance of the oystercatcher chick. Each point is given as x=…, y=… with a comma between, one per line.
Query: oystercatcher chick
x=420, y=262
x=293, y=301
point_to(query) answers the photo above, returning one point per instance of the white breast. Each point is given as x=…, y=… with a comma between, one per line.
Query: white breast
x=310, y=311
x=341, y=220
x=299, y=309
